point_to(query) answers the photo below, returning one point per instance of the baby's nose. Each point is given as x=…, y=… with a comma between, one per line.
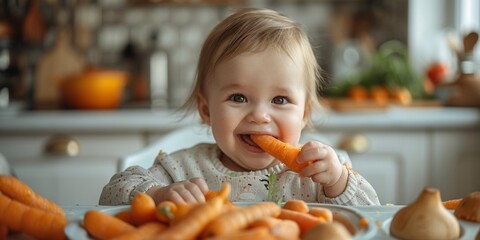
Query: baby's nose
x=259, y=114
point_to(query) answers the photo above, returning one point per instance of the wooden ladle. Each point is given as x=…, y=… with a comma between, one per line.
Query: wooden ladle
x=469, y=42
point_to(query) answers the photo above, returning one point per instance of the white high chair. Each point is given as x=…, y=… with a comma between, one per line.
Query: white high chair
x=189, y=136
x=175, y=140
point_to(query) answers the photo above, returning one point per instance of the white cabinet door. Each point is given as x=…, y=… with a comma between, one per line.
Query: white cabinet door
x=395, y=163
x=67, y=181
x=62, y=179
x=456, y=162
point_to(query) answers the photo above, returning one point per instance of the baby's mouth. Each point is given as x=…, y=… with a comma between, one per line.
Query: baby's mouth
x=248, y=140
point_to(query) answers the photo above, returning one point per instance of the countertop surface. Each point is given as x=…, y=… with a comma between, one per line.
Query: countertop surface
x=166, y=119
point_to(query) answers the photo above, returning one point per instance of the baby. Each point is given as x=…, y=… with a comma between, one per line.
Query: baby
x=257, y=74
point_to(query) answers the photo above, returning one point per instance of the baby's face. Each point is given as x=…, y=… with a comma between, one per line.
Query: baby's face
x=250, y=94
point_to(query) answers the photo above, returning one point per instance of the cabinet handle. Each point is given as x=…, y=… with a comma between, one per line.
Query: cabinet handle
x=62, y=145
x=355, y=143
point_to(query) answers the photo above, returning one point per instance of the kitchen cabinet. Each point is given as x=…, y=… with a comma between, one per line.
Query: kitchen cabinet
x=62, y=178
x=456, y=162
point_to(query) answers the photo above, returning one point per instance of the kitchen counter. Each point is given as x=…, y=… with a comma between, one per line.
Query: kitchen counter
x=162, y=120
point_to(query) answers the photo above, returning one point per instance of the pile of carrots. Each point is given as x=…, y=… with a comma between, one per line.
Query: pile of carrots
x=380, y=94
x=23, y=210
x=217, y=218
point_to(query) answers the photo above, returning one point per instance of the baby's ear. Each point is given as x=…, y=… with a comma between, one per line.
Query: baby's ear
x=306, y=114
x=203, y=109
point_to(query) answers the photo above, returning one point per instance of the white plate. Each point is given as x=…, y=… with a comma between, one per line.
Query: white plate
x=75, y=230
x=468, y=230
x=354, y=216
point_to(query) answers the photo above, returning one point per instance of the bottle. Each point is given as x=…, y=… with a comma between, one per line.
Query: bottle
x=157, y=68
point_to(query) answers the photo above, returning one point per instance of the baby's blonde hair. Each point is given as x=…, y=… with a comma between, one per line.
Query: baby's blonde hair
x=255, y=30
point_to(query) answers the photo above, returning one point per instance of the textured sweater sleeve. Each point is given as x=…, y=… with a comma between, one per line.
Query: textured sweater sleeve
x=357, y=192
x=124, y=185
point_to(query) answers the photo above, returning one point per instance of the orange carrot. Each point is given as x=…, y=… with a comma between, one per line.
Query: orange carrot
x=223, y=193
x=286, y=229
x=19, y=191
x=126, y=216
x=32, y=221
x=338, y=217
x=323, y=213
x=284, y=152
x=363, y=223
x=104, y=226
x=296, y=205
x=182, y=210
x=240, y=218
x=249, y=234
x=452, y=204
x=146, y=231
x=143, y=209
x=304, y=220
x=165, y=211
x=194, y=222
x=281, y=229
x=267, y=222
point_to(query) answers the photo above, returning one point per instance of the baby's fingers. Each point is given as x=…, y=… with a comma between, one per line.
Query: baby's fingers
x=201, y=184
x=188, y=191
x=313, y=151
x=315, y=168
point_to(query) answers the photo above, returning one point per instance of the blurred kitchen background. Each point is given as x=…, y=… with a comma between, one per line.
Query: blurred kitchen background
x=86, y=83
x=157, y=42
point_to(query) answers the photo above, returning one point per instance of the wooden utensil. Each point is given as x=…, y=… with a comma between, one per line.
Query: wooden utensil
x=62, y=61
x=469, y=42
x=33, y=28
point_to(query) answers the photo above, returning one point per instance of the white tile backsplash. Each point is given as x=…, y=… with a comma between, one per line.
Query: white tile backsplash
x=182, y=30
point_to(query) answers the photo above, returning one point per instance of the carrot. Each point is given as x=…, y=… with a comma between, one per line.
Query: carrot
x=165, y=211
x=296, y=205
x=267, y=222
x=284, y=152
x=223, y=193
x=145, y=231
x=194, y=222
x=143, y=209
x=323, y=213
x=286, y=229
x=104, y=226
x=126, y=216
x=281, y=229
x=183, y=210
x=452, y=204
x=304, y=220
x=363, y=223
x=338, y=217
x=249, y=234
x=32, y=221
x=240, y=218
x=17, y=190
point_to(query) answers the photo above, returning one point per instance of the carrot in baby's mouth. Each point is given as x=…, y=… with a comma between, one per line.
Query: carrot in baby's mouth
x=284, y=152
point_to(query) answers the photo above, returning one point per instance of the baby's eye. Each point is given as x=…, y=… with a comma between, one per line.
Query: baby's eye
x=280, y=100
x=237, y=98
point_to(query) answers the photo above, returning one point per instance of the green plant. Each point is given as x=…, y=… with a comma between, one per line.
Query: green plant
x=389, y=67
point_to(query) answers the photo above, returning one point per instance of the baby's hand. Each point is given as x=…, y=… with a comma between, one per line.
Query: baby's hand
x=188, y=191
x=325, y=169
